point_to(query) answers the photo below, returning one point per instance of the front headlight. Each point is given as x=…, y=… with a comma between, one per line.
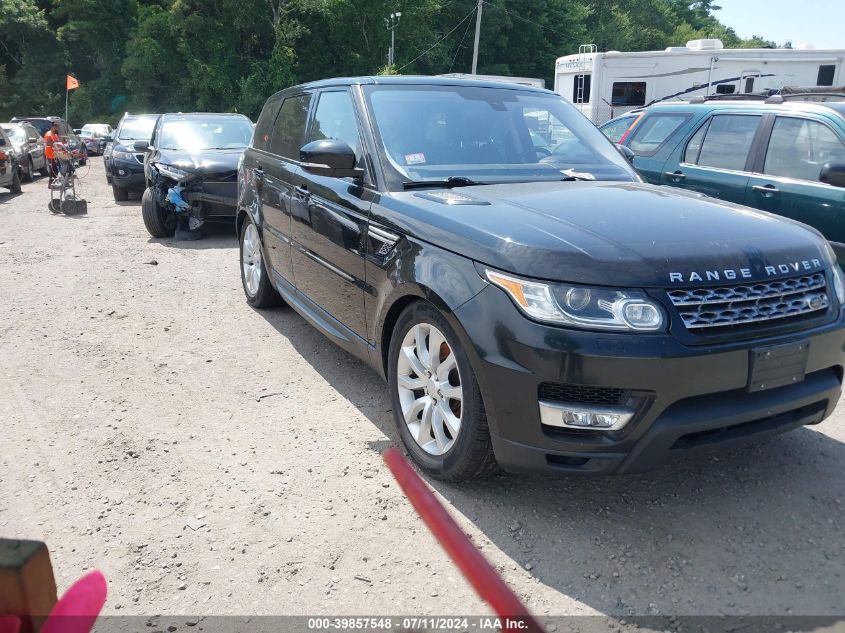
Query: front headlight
x=123, y=155
x=838, y=283
x=582, y=306
x=172, y=172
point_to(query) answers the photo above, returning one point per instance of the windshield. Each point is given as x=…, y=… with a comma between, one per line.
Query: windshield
x=17, y=134
x=137, y=129
x=489, y=135
x=91, y=128
x=88, y=133
x=214, y=132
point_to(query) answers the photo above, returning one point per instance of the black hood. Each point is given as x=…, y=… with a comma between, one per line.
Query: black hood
x=205, y=163
x=620, y=234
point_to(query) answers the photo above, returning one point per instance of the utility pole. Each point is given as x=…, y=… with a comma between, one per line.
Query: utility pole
x=391, y=23
x=477, y=36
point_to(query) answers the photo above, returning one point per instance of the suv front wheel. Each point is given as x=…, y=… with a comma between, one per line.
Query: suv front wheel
x=437, y=404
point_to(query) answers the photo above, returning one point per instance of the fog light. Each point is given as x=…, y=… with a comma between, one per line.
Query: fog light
x=121, y=172
x=578, y=416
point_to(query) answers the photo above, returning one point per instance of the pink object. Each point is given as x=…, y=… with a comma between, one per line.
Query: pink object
x=77, y=610
x=10, y=624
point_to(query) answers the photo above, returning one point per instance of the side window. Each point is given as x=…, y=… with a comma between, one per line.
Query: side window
x=581, y=89
x=725, y=89
x=655, y=130
x=335, y=119
x=727, y=141
x=615, y=130
x=826, y=72
x=799, y=148
x=289, y=130
x=2, y=139
x=694, y=145
x=628, y=93
x=261, y=136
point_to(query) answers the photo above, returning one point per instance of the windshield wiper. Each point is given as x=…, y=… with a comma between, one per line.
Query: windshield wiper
x=451, y=181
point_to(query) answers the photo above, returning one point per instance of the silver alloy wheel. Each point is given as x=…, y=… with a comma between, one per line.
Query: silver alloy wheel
x=251, y=260
x=430, y=391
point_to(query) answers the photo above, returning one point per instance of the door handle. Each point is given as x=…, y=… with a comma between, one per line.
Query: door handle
x=302, y=192
x=675, y=176
x=767, y=191
x=259, y=173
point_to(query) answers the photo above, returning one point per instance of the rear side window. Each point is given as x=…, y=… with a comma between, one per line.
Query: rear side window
x=261, y=137
x=614, y=130
x=799, y=148
x=289, y=130
x=726, y=143
x=655, y=130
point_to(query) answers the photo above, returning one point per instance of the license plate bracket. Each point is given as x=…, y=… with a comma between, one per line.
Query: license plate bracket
x=777, y=365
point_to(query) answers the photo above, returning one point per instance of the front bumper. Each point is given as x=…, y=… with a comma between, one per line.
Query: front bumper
x=128, y=175
x=687, y=397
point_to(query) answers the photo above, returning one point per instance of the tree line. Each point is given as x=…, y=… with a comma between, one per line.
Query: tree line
x=230, y=55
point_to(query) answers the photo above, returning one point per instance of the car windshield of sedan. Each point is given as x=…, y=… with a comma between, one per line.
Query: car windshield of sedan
x=137, y=129
x=195, y=134
x=489, y=134
x=88, y=134
x=16, y=134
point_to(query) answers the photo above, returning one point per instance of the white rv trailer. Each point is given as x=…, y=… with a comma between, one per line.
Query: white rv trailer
x=605, y=85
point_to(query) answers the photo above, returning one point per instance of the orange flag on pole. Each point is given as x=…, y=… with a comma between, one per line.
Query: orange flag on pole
x=72, y=83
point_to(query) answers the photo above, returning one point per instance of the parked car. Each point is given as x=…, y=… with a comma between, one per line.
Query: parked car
x=29, y=147
x=190, y=168
x=124, y=166
x=9, y=172
x=94, y=143
x=44, y=123
x=786, y=158
x=618, y=129
x=539, y=308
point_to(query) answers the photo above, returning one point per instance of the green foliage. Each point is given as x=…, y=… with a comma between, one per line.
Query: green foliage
x=230, y=55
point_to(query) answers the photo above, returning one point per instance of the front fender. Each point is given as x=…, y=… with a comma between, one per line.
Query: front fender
x=415, y=270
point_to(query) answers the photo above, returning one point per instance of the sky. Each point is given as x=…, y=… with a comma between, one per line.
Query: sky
x=820, y=23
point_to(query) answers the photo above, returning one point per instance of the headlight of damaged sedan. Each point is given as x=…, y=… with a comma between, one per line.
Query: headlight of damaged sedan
x=582, y=306
x=120, y=155
x=172, y=172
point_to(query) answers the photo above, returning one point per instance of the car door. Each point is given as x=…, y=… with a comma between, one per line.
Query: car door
x=6, y=164
x=330, y=225
x=36, y=146
x=279, y=172
x=787, y=178
x=717, y=159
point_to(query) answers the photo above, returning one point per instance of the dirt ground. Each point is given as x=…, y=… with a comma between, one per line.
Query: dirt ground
x=213, y=459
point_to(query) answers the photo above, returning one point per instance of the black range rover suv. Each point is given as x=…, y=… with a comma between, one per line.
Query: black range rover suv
x=530, y=301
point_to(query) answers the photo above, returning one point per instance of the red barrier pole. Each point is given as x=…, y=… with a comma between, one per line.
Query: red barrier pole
x=475, y=568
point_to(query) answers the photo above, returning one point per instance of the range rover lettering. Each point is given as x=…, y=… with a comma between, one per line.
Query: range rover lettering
x=532, y=304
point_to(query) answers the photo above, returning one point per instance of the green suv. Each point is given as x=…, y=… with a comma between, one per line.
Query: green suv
x=786, y=158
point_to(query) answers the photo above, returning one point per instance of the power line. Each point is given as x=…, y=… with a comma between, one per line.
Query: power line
x=433, y=46
x=461, y=43
x=519, y=17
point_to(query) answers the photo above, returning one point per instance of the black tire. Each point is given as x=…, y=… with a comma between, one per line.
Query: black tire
x=120, y=195
x=266, y=295
x=15, y=187
x=471, y=454
x=26, y=176
x=158, y=221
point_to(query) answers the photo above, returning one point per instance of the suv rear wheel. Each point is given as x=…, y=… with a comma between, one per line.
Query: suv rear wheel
x=158, y=221
x=15, y=187
x=254, y=275
x=437, y=404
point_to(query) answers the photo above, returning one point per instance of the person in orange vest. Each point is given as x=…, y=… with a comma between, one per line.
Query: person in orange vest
x=52, y=136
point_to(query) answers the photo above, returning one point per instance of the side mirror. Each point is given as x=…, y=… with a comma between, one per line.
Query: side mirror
x=108, y=138
x=329, y=158
x=75, y=131
x=142, y=146
x=627, y=152
x=833, y=174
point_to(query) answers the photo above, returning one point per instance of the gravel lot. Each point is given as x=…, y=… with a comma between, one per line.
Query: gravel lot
x=141, y=398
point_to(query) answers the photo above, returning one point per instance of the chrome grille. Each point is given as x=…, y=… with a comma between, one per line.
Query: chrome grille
x=751, y=303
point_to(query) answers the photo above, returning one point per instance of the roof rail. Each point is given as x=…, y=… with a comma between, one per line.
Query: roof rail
x=819, y=97
x=742, y=96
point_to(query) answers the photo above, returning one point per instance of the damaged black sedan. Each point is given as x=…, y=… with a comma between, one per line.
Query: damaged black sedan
x=190, y=171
